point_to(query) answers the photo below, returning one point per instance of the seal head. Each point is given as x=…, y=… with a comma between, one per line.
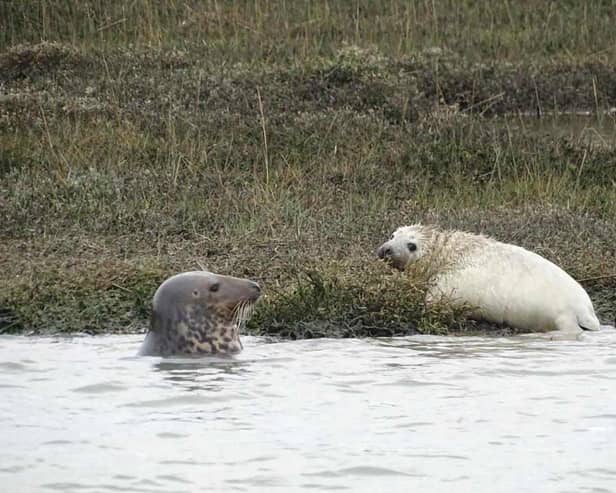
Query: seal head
x=199, y=313
x=404, y=246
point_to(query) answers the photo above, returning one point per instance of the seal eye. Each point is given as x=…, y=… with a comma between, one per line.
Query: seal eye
x=215, y=287
x=411, y=246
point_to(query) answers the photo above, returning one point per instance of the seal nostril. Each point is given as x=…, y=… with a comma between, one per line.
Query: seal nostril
x=384, y=252
x=256, y=291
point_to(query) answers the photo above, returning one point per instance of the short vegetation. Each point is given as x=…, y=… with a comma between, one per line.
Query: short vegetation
x=284, y=141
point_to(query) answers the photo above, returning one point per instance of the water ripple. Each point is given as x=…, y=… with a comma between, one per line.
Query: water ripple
x=100, y=388
x=361, y=471
x=402, y=414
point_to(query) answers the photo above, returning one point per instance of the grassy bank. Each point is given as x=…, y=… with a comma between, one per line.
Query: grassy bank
x=284, y=143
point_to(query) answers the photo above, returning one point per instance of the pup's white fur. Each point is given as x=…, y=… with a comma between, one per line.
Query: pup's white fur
x=503, y=282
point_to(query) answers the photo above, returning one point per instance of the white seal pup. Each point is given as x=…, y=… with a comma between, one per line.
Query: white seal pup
x=502, y=283
x=199, y=312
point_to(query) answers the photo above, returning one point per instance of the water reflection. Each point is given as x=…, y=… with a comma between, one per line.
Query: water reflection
x=200, y=374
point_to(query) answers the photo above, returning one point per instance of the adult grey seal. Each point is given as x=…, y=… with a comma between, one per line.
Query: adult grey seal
x=199, y=312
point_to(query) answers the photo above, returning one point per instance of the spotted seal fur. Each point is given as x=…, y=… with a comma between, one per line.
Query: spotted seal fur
x=199, y=312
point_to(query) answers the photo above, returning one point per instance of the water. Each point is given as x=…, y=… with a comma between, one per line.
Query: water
x=421, y=413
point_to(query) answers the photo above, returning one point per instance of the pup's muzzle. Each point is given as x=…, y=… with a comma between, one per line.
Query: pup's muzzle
x=384, y=252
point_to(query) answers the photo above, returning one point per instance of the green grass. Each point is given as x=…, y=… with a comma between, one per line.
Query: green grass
x=283, y=141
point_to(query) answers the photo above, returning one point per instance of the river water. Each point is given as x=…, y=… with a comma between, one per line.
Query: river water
x=420, y=413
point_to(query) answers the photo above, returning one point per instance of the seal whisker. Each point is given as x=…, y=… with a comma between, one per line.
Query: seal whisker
x=239, y=312
x=236, y=310
x=243, y=311
x=250, y=308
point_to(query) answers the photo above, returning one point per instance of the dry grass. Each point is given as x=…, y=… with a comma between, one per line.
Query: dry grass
x=279, y=30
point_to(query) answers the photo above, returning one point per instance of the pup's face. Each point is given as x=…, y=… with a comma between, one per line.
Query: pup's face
x=403, y=247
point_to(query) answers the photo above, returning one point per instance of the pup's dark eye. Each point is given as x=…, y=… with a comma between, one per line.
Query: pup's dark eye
x=215, y=287
x=411, y=246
